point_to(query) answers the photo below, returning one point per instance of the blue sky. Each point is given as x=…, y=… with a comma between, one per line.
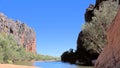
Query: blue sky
x=57, y=23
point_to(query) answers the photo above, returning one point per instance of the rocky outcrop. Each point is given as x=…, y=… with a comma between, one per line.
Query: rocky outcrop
x=110, y=57
x=23, y=35
x=69, y=56
x=92, y=38
x=89, y=13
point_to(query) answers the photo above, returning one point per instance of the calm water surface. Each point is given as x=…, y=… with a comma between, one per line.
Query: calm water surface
x=57, y=65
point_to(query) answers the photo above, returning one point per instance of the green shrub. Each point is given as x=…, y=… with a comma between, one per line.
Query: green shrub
x=95, y=31
x=9, y=49
x=11, y=52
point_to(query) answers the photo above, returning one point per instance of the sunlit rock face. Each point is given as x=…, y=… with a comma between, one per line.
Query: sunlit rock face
x=110, y=56
x=23, y=34
x=92, y=39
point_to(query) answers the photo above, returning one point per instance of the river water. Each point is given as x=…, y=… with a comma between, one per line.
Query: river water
x=57, y=65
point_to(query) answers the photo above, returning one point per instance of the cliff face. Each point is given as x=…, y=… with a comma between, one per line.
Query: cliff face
x=110, y=57
x=92, y=38
x=23, y=35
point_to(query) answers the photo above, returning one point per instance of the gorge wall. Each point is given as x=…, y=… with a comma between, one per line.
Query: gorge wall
x=110, y=57
x=22, y=34
x=93, y=38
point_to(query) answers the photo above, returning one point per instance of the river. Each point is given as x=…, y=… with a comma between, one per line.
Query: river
x=57, y=65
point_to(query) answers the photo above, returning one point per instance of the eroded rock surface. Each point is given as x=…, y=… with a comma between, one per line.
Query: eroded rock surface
x=110, y=57
x=92, y=38
x=23, y=34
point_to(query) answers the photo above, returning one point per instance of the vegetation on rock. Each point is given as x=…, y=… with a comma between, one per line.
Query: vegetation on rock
x=22, y=34
x=92, y=38
x=110, y=56
x=93, y=35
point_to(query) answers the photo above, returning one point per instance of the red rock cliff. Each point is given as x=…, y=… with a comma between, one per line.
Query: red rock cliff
x=92, y=39
x=110, y=57
x=23, y=35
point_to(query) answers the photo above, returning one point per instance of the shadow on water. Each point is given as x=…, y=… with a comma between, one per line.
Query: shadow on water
x=57, y=65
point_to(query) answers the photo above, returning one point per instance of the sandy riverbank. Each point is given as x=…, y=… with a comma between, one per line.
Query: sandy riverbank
x=14, y=66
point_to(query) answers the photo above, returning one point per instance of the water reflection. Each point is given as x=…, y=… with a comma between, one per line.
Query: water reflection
x=57, y=65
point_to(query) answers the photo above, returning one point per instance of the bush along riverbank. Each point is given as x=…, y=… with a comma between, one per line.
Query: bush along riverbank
x=11, y=52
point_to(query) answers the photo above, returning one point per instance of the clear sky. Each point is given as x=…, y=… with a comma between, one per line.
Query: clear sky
x=57, y=23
